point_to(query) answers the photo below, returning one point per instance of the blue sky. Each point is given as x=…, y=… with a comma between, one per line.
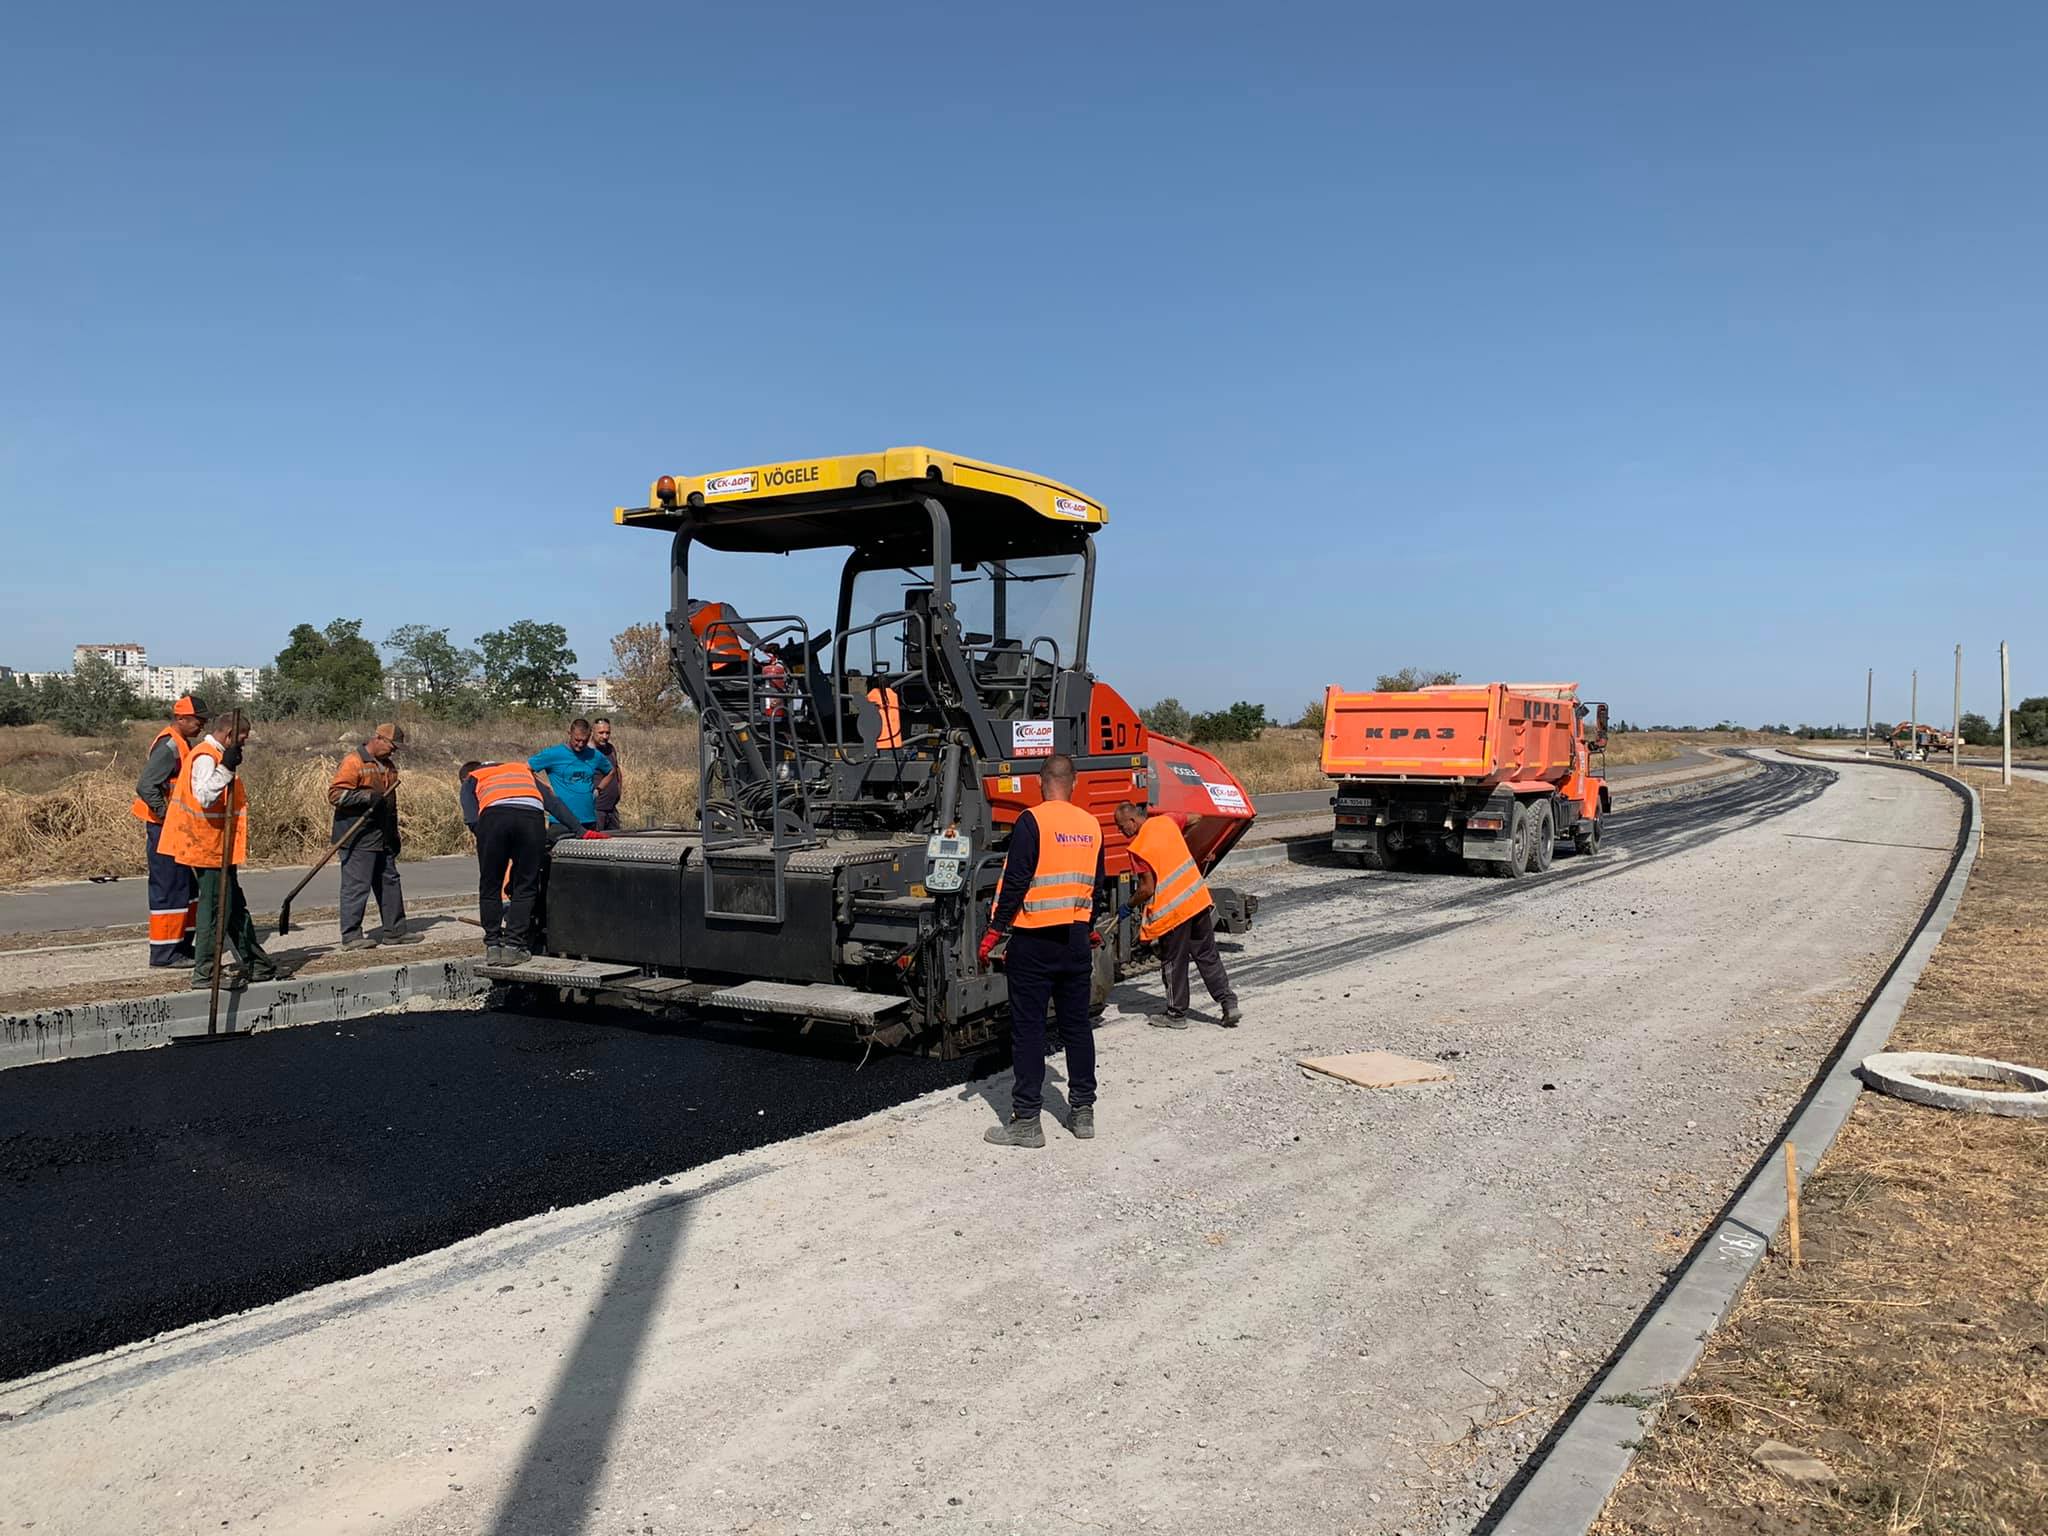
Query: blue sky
x=1699, y=357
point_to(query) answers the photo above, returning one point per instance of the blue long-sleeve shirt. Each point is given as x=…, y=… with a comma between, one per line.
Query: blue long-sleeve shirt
x=1020, y=864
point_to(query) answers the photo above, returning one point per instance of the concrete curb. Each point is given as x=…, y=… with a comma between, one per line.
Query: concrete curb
x=1587, y=1453
x=133, y=1024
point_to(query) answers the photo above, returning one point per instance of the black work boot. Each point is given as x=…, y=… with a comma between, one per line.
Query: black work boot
x=1082, y=1122
x=494, y=953
x=230, y=981
x=1171, y=1018
x=359, y=941
x=260, y=967
x=1232, y=1014
x=399, y=936
x=1017, y=1131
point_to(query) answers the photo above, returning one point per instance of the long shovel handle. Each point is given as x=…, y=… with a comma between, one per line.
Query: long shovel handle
x=340, y=844
x=221, y=903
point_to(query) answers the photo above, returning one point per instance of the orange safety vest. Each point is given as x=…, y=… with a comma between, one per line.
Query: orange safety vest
x=891, y=706
x=717, y=636
x=1178, y=891
x=504, y=781
x=140, y=809
x=1069, y=847
x=193, y=833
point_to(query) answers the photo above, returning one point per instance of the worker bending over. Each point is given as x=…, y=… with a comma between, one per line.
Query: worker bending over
x=207, y=818
x=173, y=897
x=1047, y=904
x=507, y=808
x=1179, y=914
x=365, y=792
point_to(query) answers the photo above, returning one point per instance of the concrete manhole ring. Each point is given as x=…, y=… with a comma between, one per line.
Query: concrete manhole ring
x=1904, y=1074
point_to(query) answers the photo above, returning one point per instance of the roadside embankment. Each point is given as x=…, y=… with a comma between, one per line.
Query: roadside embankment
x=1907, y=1359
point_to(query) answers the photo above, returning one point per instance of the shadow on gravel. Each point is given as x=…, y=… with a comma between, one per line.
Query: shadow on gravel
x=551, y=1494
x=1647, y=836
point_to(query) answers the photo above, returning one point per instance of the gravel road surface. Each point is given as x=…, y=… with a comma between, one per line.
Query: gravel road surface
x=1258, y=1299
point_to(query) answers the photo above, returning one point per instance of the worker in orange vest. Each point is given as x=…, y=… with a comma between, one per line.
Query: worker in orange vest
x=1179, y=914
x=507, y=806
x=1047, y=905
x=208, y=815
x=173, y=897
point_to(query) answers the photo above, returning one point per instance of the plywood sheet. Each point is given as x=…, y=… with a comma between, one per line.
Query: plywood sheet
x=1378, y=1069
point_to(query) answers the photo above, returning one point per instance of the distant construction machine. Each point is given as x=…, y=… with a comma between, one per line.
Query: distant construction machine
x=1491, y=775
x=857, y=784
x=1917, y=741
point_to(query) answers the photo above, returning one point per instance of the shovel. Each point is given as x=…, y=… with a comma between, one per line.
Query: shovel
x=284, y=913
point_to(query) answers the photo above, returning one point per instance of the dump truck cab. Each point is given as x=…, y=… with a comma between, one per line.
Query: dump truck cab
x=857, y=780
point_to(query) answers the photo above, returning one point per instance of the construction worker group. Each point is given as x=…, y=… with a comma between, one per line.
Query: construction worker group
x=193, y=806
x=1047, y=920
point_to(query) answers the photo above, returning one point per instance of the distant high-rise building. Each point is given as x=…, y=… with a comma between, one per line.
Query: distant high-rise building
x=592, y=693
x=127, y=657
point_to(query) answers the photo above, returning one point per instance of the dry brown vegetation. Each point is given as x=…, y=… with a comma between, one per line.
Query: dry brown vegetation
x=64, y=801
x=1911, y=1351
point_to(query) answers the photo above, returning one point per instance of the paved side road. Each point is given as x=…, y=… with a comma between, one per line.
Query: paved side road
x=1257, y=1300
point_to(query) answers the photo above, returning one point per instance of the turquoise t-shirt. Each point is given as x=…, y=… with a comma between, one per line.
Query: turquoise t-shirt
x=574, y=776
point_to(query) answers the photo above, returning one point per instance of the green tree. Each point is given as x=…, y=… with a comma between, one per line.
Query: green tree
x=18, y=702
x=330, y=673
x=529, y=663
x=98, y=699
x=439, y=674
x=1408, y=679
x=1311, y=717
x=221, y=690
x=1977, y=731
x=1240, y=722
x=2030, y=722
x=1167, y=717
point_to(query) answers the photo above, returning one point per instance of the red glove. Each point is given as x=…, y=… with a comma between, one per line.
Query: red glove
x=989, y=941
x=1095, y=938
x=592, y=834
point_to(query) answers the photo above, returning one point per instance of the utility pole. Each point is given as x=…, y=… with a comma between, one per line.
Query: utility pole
x=1869, y=682
x=1913, y=720
x=2005, y=710
x=1955, y=740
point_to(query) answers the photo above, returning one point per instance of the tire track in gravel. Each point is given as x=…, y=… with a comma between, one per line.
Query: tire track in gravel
x=1647, y=836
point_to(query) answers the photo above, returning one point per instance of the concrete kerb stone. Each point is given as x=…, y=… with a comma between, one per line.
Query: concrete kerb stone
x=133, y=1024
x=1566, y=1491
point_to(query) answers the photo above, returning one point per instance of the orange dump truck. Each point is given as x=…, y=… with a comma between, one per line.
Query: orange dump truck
x=1494, y=775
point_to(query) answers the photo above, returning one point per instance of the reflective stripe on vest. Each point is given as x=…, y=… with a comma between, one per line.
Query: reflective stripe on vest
x=1062, y=888
x=140, y=808
x=195, y=834
x=496, y=782
x=891, y=706
x=1178, y=890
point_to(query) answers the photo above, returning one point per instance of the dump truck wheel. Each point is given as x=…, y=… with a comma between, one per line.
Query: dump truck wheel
x=1542, y=837
x=1517, y=862
x=1377, y=856
x=1586, y=837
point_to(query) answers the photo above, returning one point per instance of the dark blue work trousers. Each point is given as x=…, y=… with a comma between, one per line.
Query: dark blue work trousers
x=1050, y=966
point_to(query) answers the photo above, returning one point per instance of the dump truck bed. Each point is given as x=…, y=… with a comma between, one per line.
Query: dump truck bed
x=1501, y=733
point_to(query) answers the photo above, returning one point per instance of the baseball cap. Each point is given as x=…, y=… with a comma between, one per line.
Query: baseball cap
x=191, y=704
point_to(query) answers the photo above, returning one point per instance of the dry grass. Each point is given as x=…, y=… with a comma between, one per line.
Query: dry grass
x=64, y=801
x=1912, y=1350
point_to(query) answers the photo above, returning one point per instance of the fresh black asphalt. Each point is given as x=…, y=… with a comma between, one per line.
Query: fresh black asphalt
x=151, y=1189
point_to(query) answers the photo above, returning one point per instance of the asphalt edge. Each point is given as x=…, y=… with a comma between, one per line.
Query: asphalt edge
x=1565, y=1487
x=78, y=1030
